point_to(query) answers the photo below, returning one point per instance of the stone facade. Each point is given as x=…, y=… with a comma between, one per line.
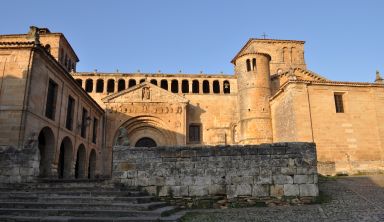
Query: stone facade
x=272, y=97
x=267, y=170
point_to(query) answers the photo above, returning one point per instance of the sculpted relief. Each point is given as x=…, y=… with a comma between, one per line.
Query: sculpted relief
x=146, y=108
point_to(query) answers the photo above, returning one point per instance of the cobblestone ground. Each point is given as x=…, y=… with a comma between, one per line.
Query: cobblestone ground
x=358, y=198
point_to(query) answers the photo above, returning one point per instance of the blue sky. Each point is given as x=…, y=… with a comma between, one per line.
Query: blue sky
x=344, y=38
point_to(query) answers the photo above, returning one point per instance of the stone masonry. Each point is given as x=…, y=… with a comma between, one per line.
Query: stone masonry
x=266, y=170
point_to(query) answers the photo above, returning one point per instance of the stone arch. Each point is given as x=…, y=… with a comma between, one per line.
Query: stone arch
x=120, y=85
x=226, y=87
x=89, y=85
x=99, y=85
x=175, y=86
x=81, y=160
x=46, y=144
x=131, y=83
x=111, y=85
x=145, y=142
x=205, y=86
x=64, y=167
x=151, y=127
x=195, y=86
x=164, y=84
x=92, y=165
x=216, y=86
x=185, y=86
x=154, y=81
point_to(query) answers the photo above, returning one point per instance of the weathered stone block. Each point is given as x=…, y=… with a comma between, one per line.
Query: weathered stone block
x=239, y=190
x=282, y=179
x=198, y=190
x=260, y=190
x=277, y=190
x=217, y=189
x=291, y=190
x=299, y=179
x=309, y=190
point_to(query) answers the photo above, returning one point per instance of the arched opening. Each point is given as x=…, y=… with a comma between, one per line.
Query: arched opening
x=154, y=81
x=131, y=83
x=89, y=85
x=92, y=165
x=145, y=142
x=174, y=86
x=46, y=148
x=80, y=162
x=254, y=64
x=48, y=48
x=216, y=86
x=99, y=86
x=195, y=86
x=205, y=86
x=110, y=85
x=79, y=82
x=248, y=65
x=120, y=85
x=226, y=87
x=142, y=80
x=164, y=84
x=65, y=159
x=185, y=86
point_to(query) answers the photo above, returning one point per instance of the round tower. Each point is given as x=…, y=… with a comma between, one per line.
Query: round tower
x=254, y=91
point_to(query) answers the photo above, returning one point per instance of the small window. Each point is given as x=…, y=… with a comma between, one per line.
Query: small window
x=89, y=85
x=70, y=112
x=253, y=64
x=142, y=80
x=226, y=87
x=174, y=86
x=194, y=133
x=248, y=65
x=131, y=83
x=84, y=123
x=99, y=86
x=94, y=131
x=205, y=86
x=195, y=86
x=164, y=84
x=110, y=85
x=339, y=102
x=50, y=108
x=216, y=86
x=120, y=85
x=154, y=81
x=185, y=86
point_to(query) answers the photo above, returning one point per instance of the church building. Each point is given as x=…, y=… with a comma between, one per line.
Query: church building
x=73, y=119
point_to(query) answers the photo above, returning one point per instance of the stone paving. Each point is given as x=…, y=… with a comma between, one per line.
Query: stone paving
x=357, y=198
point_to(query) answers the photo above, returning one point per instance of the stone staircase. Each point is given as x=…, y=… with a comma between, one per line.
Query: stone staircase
x=81, y=201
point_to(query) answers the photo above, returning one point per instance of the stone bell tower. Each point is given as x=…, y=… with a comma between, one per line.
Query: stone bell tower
x=254, y=91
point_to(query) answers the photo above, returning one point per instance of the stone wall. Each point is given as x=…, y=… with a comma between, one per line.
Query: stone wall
x=266, y=170
x=18, y=166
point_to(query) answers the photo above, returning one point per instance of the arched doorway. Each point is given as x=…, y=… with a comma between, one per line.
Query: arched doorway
x=80, y=162
x=65, y=159
x=92, y=165
x=46, y=148
x=145, y=142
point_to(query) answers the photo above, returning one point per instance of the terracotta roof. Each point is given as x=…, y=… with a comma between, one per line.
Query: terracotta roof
x=305, y=71
x=266, y=41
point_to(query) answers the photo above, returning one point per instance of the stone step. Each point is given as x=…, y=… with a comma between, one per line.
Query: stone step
x=84, y=206
x=87, y=213
x=79, y=199
x=88, y=219
x=112, y=193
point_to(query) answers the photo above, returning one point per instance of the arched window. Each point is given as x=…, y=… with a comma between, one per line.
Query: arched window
x=253, y=64
x=48, y=48
x=110, y=85
x=154, y=81
x=79, y=82
x=142, y=80
x=185, y=86
x=164, y=84
x=99, y=86
x=205, y=86
x=216, y=86
x=89, y=85
x=120, y=85
x=174, y=86
x=195, y=86
x=131, y=83
x=248, y=65
x=226, y=87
